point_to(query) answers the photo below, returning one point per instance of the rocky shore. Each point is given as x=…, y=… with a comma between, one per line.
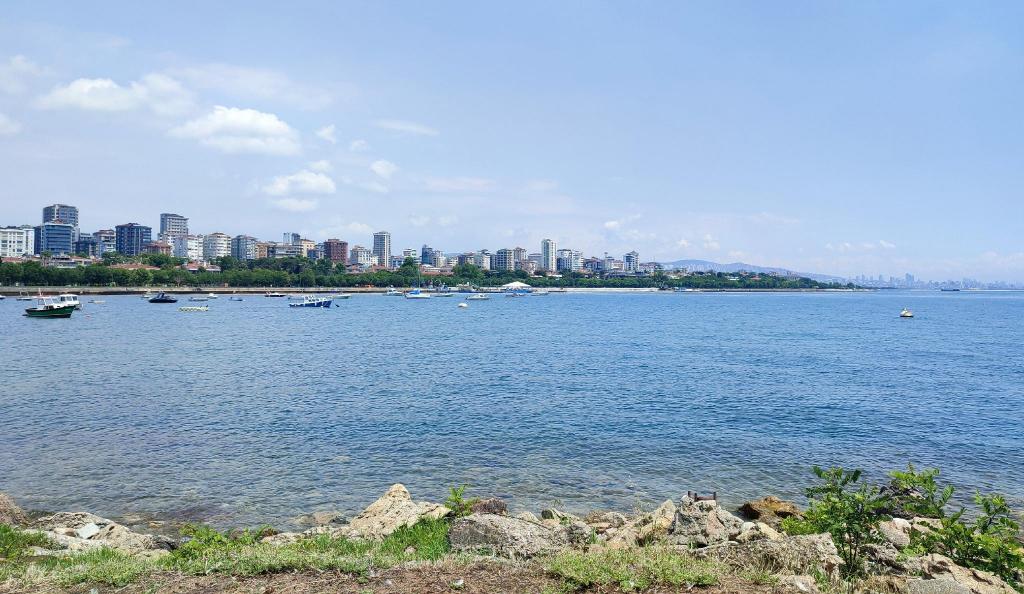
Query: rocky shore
x=746, y=549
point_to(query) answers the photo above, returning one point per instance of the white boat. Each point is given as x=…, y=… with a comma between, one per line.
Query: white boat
x=517, y=294
x=2, y=297
x=342, y=296
x=211, y=295
x=446, y=294
x=392, y=292
x=194, y=308
x=198, y=299
x=296, y=297
x=539, y=293
x=235, y=299
x=463, y=305
x=906, y=313
x=477, y=297
x=274, y=294
x=312, y=301
x=417, y=294
x=23, y=296
x=97, y=301
x=69, y=299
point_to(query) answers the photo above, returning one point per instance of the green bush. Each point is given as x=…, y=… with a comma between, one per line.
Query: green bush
x=917, y=494
x=457, y=502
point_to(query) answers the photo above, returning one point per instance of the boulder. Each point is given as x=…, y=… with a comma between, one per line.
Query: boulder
x=603, y=521
x=10, y=513
x=944, y=586
x=797, y=584
x=558, y=516
x=80, y=531
x=751, y=531
x=492, y=505
x=320, y=518
x=936, y=567
x=702, y=523
x=281, y=538
x=896, y=532
x=392, y=511
x=642, y=530
x=528, y=516
x=771, y=510
x=505, y=536
x=790, y=555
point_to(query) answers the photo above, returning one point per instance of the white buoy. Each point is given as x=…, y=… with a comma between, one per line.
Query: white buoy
x=463, y=305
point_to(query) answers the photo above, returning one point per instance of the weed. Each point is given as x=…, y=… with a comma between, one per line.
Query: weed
x=457, y=502
x=632, y=569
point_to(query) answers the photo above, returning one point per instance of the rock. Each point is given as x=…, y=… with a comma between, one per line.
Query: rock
x=881, y=584
x=79, y=531
x=797, y=584
x=750, y=531
x=392, y=511
x=771, y=510
x=643, y=529
x=944, y=586
x=896, y=532
x=558, y=516
x=787, y=555
x=505, y=536
x=702, y=523
x=492, y=505
x=281, y=538
x=601, y=522
x=528, y=516
x=10, y=513
x=937, y=567
x=924, y=525
x=320, y=518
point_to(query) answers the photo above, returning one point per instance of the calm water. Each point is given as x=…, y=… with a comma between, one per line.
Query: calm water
x=256, y=412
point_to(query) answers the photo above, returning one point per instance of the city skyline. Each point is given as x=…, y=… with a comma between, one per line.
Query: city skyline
x=701, y=133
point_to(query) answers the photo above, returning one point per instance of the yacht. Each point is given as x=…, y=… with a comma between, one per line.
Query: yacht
x=417, y=294
x=274, y=294
x=162, y=297
x=906, y=313
x=392, y=292
x=477, y=297
x=211, y=295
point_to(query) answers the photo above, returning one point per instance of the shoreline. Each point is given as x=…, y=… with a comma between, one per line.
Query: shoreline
x=261, y=291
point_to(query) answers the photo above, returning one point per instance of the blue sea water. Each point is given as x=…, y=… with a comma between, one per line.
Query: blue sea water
x=255, y=412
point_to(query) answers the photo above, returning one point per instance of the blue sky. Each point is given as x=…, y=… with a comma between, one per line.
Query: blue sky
x=847, y=138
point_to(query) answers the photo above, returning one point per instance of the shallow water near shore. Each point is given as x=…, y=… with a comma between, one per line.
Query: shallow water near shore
x=255, y=412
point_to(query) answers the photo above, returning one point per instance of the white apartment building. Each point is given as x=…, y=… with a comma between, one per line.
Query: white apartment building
x=17, y=241
x=548, y=255
x=361, y=256
x=631, y=262
x=189, y=247
x=482, y=260
x=504, y=259
x=382, y=247
x=216, y=245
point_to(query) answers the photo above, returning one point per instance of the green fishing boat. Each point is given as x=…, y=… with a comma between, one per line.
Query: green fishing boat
x=48, y=308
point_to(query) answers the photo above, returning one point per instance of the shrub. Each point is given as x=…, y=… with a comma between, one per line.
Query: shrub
x=457, y=502
x=917, y=494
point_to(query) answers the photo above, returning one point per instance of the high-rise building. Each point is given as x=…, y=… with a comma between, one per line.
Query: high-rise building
x=189, y=247
x=171, y=226
x=382, y=247
x=631, y=262
x=504, y=259
x=291, y=238
x=106, y=241
x=308, y=247
x=87, y=245
x=519, y=255
x=243, y=247
x=482, y=260
x=569, y=261
x=61, y=213
x=216, y=245
x=55, y=238
x=130, y=237
x=336, y=251
x=362, y=256
x=548, y=255
x=17, y=241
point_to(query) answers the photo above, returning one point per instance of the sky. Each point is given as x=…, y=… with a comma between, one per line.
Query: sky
x=833, y=137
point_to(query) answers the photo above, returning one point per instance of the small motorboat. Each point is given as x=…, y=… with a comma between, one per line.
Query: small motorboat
x=162, y=297
x=463, y=305
x=417, y=294
x=392, y=292
x=540, y=293
x=97, y=301
x=211, y=295
x=906, y=313
x=477, y=297
x=198, y=299
x=194, y=308
x=23, y=296
x=312, y=301
x=236, y=299
x=274, y=294
x=341, y=296
x=2, y=297
x=48, y=307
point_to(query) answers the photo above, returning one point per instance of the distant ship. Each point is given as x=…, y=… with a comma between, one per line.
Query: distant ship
x=950, y=290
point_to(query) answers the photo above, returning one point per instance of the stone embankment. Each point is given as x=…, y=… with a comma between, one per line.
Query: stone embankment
x=692, y=526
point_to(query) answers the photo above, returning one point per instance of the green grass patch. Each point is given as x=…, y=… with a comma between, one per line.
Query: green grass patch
x=632, y=569
x=15, y=544
x=99, y=566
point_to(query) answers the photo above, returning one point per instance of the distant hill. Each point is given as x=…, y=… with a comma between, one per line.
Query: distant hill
x=738, y=266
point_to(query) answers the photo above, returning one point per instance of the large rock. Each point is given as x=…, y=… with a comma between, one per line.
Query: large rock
x=80, y=531
x=506, y=536
x=392, y=511
x=492, y=505
x=935, y=587
x=10, y=513
x=642, y=530
x=771, y=510
x=936, y=567
x=751, y=531
x=896, y=532
x=797, y=584
x=790, y=555
x=703, y=523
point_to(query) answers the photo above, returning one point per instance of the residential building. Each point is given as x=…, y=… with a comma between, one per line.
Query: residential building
x=130, y=237
x=504, y=259
x=157, y=247
x=61, y=213
x=171, y=226
x=106, y=241
x=55, y=238
x=548, y=255
x=88, y=246
x=631, y=262
x=396, y=262
x=465, y=258
x=292, y=238
x=216, y=245
x=482, y=260
x=17, y=241
x=569, y=261
x=410, y=253
x=362, y=256
x=336, y=251
x=308, y=247
x=285, y=250
x=520, y=255
x=537, y=259
x=382, y=247
x=262, y=249
x=189, y=247
x=243, y=247
x=527, y=266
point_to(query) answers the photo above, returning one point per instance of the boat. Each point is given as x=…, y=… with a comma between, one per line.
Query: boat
x=341, y=296
x=446, y=294
x=463, y=305
x=211, y=295
x=48, y=307
x=274, y=294
x=162, y=297
x=194, y=308
x=516, y=294
x=477, y=297
x=23, y=296
x=312, y=301
x=417, y=294
x=540, y=293
x=906, y=313
x=2, y=297
x=236, y=299
x=97, y=301
x=392, y=292
x=69, y=299
x=198, y=299
x=298, y=297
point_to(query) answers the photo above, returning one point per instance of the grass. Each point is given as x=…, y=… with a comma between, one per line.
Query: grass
x=632, y=569
x=14, y=543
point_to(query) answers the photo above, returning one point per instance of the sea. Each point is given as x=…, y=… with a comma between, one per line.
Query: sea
x=254, y=412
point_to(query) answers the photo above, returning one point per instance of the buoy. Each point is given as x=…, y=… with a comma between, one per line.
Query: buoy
x=463, y=305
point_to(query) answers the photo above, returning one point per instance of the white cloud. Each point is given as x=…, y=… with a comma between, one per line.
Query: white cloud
x=358, y=146
x=254, y=83
x=710, y=243
x=384, y=168
x=885, y=244
x=447, y=220
x=15, y=71
x=374, y=187
x=295, y=204
x=161, y=94
x=327, y=133
x=8, y=127
x=406, y=127
x=322, y=165
x=541, y=185
x=303, y=182
x=459, y=184
x=683, y=243
x=612, y=225
x=420, y=221
x=235, y=130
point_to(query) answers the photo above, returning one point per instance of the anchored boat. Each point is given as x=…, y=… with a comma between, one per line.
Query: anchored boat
x=312, y=301
x=906, y=313
x=48, y=307
x=417, y=294
x=163, y=298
